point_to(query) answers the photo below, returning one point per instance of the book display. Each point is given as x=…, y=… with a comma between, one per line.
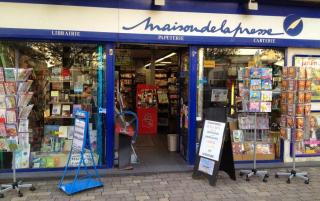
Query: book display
x=14, y=126
x=161, y=80
x=253, y=120
x=127, y=87
x=295, y=108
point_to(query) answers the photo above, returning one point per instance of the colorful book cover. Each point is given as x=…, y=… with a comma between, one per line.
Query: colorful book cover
x=266, y=95
x=23, y=87
x=265, y=107
x=23, y=157
x=24, y=99
x=3, y=102
x=24, y=73
x=10, y=88
x=75, y=108
x=10, y=102
x=3, y=130
x=266, y=73
x=23, y=125
x=2, y=90
x=66, y=110
x=1, y=75
x=2, y=115
x=11, y=116
x=10, y=74
x=254, y=106
x=255, y=84
x=63, y=131
x=266, y=84
x=25, y=111
x=237, y=136
x=255, y=73
x=255, y=95
x=56, y=109
x=11, y=130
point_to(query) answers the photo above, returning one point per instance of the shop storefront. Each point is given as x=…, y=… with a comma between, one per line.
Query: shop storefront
x=76, y=51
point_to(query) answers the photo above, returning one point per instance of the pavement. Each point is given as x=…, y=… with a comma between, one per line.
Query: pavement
x=180, y=186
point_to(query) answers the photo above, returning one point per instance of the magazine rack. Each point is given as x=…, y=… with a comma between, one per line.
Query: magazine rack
x=295, y=75
x=19, y=98
x=15, y=185
x=254, y=171
x=81, y=144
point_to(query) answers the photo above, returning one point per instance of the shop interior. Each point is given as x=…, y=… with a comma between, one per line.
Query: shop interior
x=149, y=83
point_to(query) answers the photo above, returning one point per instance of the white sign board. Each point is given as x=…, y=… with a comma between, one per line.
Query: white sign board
x=78, y=136
x=211, y=141
x=306, y=61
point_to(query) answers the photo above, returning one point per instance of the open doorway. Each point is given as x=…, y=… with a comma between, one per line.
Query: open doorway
x=151, y=81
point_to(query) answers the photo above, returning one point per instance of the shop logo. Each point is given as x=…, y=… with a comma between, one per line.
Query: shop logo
x=224, y=27
x=293, y=25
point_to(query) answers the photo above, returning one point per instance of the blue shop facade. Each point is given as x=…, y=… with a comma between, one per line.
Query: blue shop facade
x=80, y=50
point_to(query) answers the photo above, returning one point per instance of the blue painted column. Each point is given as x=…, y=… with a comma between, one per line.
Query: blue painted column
x=110, y=73
x=193, y=62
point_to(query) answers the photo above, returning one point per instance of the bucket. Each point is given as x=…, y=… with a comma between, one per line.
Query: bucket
x=172, y=142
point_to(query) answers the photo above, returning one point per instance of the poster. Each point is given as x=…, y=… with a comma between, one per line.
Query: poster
x=78, y=136
x=219, y=95
x=312, y=139
x=211, y=141
x=206, y=166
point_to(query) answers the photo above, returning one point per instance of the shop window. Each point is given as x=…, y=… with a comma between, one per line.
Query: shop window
x=58, y=79
x=218, y=86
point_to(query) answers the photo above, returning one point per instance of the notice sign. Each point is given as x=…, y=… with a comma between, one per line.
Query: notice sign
x=78, y=135
x=206, y=166
x=211, y=141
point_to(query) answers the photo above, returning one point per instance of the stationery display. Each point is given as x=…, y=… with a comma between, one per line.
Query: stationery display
x=295, y=112
x=14, y=124
x=255, y=90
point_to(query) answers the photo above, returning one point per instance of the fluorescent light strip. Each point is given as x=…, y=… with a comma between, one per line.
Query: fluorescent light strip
x=161, y=59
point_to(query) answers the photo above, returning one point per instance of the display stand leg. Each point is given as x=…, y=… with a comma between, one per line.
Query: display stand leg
x=293, y=173
x=254, y=171
x=15, y=185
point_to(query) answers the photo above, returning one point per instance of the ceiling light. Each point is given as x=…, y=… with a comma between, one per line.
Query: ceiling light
x=166, y=62
x=252, y=5
x=161, y=59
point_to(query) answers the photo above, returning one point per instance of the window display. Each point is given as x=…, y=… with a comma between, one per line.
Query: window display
x=251, y=78
x=62, y=79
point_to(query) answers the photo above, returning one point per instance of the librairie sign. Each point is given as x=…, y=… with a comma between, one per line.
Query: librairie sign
x=64, y=21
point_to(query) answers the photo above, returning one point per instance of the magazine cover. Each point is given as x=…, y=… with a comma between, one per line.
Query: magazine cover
x=10, y=102
x=266, y=84
x=23, y=87
x=23, y=125
x=2, y=115
x=3, y=144
x=10, y=88
x=265, y=107
x=24, y=73
x=10, y=74
x=24, y=99
x=2, y=102
x=3, y=130
x=11, y=116
x=1, y=75
x=11, y=130
x=25, y=111
x=266, y=95
x=255, y=95
x=266, y=73
x=22, y=157
x=255, y=73
x=255, y=84
x=237, y=136
x=254, y=106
